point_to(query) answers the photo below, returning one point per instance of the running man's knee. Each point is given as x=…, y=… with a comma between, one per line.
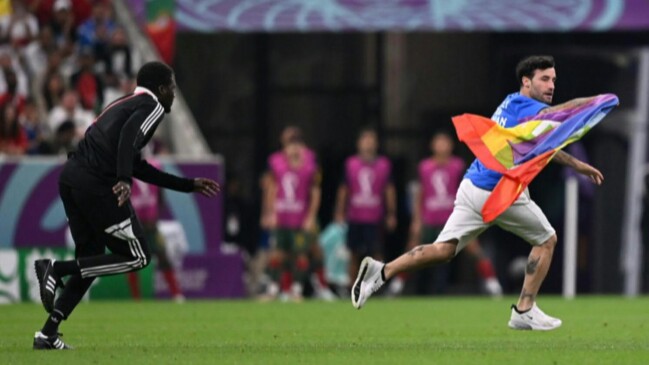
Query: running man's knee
x=550, y=243
x=445, y=251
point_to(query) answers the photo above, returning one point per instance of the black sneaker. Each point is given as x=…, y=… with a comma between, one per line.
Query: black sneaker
x=42, y=342
x=48, y=281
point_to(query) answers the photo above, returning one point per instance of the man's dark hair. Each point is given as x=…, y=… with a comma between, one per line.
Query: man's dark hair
x=528, y=65
x=154, y=74
x=368, y=130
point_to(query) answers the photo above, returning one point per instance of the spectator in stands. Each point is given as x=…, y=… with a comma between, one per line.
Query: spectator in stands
x=45, y=9
x=58, y=62
x=62, y=25
x=53, y=90
x=70, y=110
x=87, y=83
x=63, y=141
x=117, y=87
x=11, y=96
x=31, y=121
x=36, y=53
x=9, y=60
x=19, y=28
x=120, y=55
x=13, y=139
x=96, y=32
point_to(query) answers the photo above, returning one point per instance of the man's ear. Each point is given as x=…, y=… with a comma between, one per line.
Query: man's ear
x=527, y=82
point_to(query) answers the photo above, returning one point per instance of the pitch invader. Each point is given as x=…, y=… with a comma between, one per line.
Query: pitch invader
x=294, y=199
x=536, y=76
x=366, y=200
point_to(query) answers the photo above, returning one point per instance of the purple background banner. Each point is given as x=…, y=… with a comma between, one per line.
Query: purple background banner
x=32, y=214
x=426, y=15
x=207, y=276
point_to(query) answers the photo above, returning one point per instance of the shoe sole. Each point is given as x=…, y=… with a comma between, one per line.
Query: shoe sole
x=528, y=327
x=40, y=275
x=362, y=271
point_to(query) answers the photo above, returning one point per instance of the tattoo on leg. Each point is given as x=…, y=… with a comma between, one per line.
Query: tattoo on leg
x=532, y=263
x=528, y=295
x=415, y=250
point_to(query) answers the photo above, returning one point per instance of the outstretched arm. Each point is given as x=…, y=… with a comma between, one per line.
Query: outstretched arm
x=148, y=173
x=568, y=104
x=581, y=167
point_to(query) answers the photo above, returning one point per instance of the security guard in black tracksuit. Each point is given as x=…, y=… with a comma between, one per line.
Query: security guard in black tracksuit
x=95, y=186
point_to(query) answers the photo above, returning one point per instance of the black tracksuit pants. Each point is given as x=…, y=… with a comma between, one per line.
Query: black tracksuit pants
x=97, y=223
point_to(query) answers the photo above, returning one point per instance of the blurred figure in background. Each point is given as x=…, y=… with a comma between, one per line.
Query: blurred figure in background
x=439, y=177
x=146, y=203
x=11, y=95
x=316, y=256
x=53, y=90
x=32, y=122
x=366, y=200
x=13, y=139
x=69, y=109
x=295, y=198
x=19, y=28
x=62, y=25
x=63, y=140
x=96, y=32
x=120, y=60
x=88, y=83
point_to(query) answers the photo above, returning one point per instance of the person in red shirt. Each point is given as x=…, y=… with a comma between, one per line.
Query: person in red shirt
x=11, y=96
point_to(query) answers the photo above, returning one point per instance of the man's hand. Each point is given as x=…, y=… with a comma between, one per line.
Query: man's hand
x=206, y=187
x=123, y=191
x=587, y=170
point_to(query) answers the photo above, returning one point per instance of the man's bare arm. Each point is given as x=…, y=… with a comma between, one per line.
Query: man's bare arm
x=566, y=159
x=568, y=104
x=581, y=167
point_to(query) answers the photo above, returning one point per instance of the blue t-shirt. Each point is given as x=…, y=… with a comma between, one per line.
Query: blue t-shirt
x=514, y=108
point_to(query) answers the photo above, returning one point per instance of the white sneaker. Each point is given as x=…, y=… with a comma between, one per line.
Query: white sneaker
x=368, y=281
x=493, y=288
x=533, y=319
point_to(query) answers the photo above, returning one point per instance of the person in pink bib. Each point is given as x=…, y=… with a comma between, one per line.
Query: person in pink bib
x=439, y=177
x=294, y=197
x=145, y=199
x=366, y=200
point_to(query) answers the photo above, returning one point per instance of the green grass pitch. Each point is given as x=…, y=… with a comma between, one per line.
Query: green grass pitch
x=441, y=330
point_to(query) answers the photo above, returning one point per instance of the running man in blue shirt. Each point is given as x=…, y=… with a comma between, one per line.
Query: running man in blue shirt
x=524, y=218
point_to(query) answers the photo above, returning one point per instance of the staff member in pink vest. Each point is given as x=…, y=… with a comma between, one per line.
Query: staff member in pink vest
x=366, y=199
x=439, y=177
x=145, y=199
x=295, y=200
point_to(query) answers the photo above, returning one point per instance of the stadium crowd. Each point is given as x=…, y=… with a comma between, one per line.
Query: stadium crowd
x=61, y=62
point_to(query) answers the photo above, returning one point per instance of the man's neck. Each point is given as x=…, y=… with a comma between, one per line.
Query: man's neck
x=367, y=157
x=442, y=160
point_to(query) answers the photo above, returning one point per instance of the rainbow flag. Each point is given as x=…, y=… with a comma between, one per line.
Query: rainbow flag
x=521, y=152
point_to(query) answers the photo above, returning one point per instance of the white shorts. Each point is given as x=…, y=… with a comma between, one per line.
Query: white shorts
x=524, y=218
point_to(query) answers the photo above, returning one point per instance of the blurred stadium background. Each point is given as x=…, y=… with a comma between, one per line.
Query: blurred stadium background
x=248, y=68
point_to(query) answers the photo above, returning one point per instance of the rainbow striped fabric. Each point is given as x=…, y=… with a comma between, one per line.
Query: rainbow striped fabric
x=521, y=152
